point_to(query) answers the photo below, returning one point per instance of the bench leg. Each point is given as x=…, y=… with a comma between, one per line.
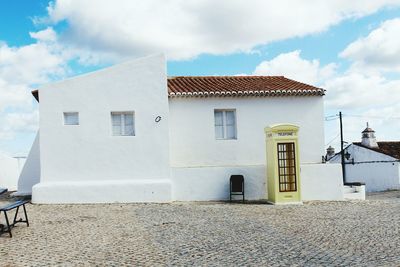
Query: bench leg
x=21, y=220
x=15, y=216
x=8, y=224
x=26, y=216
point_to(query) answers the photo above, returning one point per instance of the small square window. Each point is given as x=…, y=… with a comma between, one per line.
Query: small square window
x=225, y=124
x=71, y=118
x=123, y=123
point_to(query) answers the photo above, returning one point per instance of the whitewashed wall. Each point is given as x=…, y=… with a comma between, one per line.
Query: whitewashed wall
x=377, y=176
x=202, y=165
x=88, y=155
x=9, y=171
x=192, y=135
x=321, y=182
x=318, y=182
x=212, y=183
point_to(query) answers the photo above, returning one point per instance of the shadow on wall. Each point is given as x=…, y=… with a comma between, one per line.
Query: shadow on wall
x=30, y=173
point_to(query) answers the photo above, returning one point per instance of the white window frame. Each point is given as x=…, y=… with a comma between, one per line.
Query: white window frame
x=224, y=125
x=123, y=114
x=66, y=113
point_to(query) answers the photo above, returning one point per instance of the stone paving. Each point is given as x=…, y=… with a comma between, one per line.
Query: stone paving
x=357, y=233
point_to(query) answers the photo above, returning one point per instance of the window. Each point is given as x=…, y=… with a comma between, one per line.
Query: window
x=287, y=167
x=225, y=124
x=71, y=118
x=123, y=123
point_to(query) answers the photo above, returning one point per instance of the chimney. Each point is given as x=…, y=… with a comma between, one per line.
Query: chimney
x=330, y=152
x=368, y=138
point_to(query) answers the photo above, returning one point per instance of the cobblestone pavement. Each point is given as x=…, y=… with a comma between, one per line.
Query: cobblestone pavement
x=209, y=234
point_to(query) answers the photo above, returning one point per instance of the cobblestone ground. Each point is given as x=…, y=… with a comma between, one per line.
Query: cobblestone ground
x=209, y=234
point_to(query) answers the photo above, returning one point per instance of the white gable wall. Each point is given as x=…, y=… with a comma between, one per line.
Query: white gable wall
x=87, y=156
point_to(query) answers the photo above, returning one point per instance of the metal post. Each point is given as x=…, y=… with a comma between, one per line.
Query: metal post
x=341, y=149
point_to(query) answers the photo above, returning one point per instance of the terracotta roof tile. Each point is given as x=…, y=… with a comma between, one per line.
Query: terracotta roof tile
x=189, y=86
x=206, y=86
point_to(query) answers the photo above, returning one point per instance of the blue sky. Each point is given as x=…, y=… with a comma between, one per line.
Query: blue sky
x=349, y=49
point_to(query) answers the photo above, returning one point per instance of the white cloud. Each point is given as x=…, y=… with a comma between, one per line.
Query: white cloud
x=362, y=97
x=379, y=51
x=294, y=67
x=185, y=29
x=22, y=68
x=356, y=90
x=47, y=35
x=18, y=122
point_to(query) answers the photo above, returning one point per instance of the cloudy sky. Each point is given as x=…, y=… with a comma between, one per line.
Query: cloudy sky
x=350, y=48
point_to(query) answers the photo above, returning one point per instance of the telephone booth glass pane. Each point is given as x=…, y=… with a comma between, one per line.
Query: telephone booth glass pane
x=287, y=167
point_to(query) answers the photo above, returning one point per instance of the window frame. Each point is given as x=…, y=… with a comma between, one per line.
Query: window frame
x=66, y=113
x=122, y=115
x=287, y=169
x=224, y=124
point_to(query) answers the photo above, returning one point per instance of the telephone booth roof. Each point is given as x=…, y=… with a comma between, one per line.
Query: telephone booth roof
x=281, y=127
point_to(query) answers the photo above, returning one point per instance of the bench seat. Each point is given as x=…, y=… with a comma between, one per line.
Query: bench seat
x=7, y=207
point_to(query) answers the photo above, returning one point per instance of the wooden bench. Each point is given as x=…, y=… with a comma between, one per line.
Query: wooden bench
x=15, y=205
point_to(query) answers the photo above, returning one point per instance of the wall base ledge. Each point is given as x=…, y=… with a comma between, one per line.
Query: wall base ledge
x=110, y=191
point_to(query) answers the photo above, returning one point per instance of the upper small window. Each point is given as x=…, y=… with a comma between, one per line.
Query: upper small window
x=225, y=124
x=123, y=123
x=71, y=118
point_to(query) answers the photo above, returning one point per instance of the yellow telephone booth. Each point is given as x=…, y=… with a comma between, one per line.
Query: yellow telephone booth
x=283, y=166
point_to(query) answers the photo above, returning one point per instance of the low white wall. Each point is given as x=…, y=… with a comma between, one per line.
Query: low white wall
x=376, y=176
x=30, y=173
x=108, y=191
x=321, y=182
x=318, y=182
x=9, y=172
x=212, y=183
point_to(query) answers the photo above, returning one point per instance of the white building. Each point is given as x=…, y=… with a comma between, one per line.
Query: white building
x=374, y=163
x=10, y=168
x=130, y=134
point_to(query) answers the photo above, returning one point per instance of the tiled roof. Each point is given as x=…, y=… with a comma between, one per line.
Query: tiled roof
x=206, y=86
x=390, y=148
x=209, y=86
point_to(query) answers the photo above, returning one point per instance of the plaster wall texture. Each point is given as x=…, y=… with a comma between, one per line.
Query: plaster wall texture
x=202, y=165
x=321, y=182
x=105, y=191
x=318, y=182
x=9, y=172
x=88, y=151
x=212, y=183
x=30, y=173
x=192, y=134
x=377, y=176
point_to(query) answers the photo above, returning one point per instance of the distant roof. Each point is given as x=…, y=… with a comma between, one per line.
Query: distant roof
x=390, y=148
x=209, y=86
x=368, y=130
x=206, y=86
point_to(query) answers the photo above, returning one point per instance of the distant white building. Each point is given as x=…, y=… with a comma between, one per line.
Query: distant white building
x=374, y=163
x=130, y=134
x=10, y=168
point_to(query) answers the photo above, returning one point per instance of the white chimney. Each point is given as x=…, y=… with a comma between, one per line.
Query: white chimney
x=368, y=138
x=330, y=152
